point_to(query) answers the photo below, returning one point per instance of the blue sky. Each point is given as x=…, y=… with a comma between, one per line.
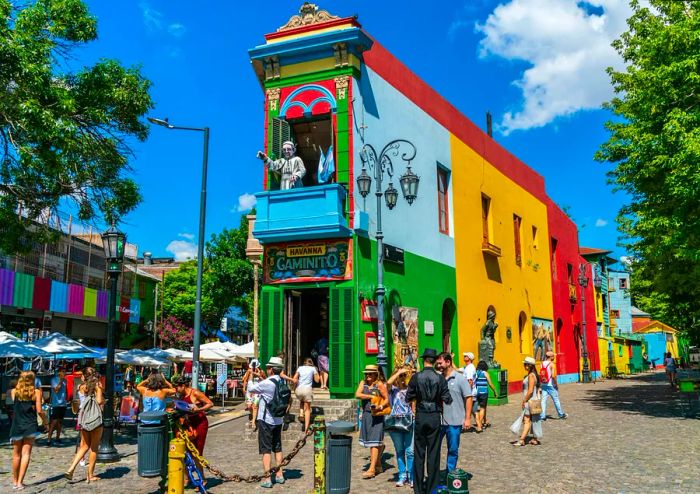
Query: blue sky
x=537, y=65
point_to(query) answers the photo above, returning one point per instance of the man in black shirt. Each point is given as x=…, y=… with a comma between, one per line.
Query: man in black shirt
x=428, y=389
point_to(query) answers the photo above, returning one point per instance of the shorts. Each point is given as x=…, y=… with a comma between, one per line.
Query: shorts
x=269, y=438
x=57, y=413
x=482, y=400
x=304, y=394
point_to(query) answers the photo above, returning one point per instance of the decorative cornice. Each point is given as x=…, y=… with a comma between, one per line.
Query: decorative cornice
x=273, y=98
x=308, y=14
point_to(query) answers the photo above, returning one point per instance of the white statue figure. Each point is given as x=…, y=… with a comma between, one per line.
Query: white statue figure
x=290, y=168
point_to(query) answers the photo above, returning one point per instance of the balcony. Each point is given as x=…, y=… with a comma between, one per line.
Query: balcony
x=301, y=214
x=490, y=249
x=572, y=293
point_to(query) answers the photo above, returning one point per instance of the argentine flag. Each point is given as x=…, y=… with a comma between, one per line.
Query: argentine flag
x=326, y=166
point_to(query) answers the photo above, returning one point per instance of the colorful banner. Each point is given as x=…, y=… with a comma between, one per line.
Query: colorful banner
x=102, y=304
x=135, y=314
x=124, y=309
x=24, y=290
x=59, y=297
x=42, y=294
x=308, y=261
x=7, y=287
x=90, y=305
x=76, y=299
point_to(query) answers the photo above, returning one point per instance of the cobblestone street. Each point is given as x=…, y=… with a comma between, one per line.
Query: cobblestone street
x=624, y=435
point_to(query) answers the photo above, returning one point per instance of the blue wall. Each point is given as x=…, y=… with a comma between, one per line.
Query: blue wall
x=620, y=300
x=381, y=115
x=656, y=346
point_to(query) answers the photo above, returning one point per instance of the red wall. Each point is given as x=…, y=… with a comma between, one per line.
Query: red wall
x=567, y=315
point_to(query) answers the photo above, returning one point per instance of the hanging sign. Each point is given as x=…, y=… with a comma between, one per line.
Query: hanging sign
x=308, y=261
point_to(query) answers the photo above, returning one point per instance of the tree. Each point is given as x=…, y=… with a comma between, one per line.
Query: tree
x=175, y=334
x=64, y=135
x=654, y=146
x=226, y=280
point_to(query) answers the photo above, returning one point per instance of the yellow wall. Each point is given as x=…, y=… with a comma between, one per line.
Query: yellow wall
x=483, y=280
x=621, y=362
x=603, y=355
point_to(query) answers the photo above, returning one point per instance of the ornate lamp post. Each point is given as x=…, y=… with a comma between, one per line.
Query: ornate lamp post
x=583, y=282
x=113, y=242
x=200, y=243
x=380, y=164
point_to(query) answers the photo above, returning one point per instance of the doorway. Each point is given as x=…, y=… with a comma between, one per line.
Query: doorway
x=305, y=323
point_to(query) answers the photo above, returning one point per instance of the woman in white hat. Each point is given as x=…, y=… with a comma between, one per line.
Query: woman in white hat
x=253, y=375
x=531, y=419
x=372, y=425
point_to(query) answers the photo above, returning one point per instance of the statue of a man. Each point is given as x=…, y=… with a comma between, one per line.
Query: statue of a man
x=290, y=167
x=487, y=345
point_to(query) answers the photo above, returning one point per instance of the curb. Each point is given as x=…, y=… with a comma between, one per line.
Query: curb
x=233, y=416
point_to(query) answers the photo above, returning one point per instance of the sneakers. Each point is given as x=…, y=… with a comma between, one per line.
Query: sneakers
x=83, y=463
x=279, y=479
x=401, y=482
x=564, y=416
x=266, y=484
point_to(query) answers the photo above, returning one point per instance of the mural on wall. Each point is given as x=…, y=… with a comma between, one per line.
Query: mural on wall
x=404, y=325
x=543, y=337
x=308, y=261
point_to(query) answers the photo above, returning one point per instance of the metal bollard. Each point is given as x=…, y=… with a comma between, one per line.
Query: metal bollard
x=319, y=428
x=176, y=467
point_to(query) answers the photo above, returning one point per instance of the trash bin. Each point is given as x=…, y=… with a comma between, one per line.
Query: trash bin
x=152, y=444
x=338, y=457
x=458, y=481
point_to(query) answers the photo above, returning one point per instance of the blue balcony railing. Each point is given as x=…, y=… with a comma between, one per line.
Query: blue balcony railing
x=301, y=214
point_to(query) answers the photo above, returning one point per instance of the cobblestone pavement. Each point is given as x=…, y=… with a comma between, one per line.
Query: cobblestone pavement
x=622, y=436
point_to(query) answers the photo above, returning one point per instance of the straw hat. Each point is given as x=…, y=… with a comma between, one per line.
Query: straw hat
x=275, y=362
x=529, y=360
x=371, y=369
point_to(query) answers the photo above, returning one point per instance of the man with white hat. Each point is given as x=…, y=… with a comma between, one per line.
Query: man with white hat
x=273, y=391
x=549, y=386
x=469, y=370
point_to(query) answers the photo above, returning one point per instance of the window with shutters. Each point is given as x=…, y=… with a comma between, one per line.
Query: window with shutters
x=341, y=320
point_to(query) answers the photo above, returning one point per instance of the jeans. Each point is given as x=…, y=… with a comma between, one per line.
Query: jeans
x=549, y=390
x=453, y=433
x=403, y=444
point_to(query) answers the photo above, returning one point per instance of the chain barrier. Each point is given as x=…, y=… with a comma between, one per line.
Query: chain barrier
x=239, y=478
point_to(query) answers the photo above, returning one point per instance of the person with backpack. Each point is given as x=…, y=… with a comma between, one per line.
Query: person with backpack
x=90, y=423
x=549, y=386
x=275, y=398
x=482, y=381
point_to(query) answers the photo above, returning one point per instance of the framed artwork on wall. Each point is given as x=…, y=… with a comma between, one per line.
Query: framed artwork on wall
x=369, y=310
x=371, y=343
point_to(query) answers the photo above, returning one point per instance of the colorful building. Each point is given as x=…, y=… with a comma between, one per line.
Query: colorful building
x=659, y=338
x=345, y=100
x=620, y=301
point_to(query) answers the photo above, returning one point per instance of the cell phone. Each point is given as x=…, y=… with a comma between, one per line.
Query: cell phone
x=372, y=405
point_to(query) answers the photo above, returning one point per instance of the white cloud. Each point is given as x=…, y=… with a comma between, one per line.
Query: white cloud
x=176, y=29
x=600, y=222
x=188, y=236
x=182, y=249
x=152, y=18
x=567, y=45
x=246, y=202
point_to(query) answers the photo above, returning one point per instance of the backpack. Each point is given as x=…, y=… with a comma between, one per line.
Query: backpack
x=90, y=416
x=544, y=374
x=282, y=396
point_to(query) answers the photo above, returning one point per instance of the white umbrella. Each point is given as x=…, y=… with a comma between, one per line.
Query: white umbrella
x=137, y=357
x=4, y=336
x=247, y=350
x=58, y=343
x=177, y=355
x=209, y=355
x=21, y=349
x=219, y=346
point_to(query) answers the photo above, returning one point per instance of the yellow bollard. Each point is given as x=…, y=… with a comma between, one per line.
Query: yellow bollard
x=176, y=467
x=319, y=428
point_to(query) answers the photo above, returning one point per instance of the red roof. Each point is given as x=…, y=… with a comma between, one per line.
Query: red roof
x=584, y=251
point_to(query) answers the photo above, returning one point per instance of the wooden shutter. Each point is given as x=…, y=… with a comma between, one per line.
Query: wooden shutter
x=280, y=132
x=341, y=341
x=270, y=324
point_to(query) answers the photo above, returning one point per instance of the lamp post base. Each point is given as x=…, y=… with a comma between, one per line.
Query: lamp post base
x=107, y=453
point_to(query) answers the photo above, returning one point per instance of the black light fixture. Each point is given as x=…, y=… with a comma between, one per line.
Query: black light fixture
x=113, y=242
x=409, y=185
x=391, y=195
x=364, y=182
x=163, y=122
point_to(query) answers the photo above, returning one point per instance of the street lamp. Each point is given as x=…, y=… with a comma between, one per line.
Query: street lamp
x=382, y=163
x=113, y=242
x=200, y=245
x=583, y=282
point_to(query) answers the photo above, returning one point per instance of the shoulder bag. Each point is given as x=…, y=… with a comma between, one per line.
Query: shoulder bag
x=535, y=403
x=378, y=401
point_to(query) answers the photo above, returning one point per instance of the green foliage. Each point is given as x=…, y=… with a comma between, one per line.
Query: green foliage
x=226, y=280
x=175, y=334
x=64, y=135
x=654, y=145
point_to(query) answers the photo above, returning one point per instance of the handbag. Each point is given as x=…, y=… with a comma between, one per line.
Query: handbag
x=535, y=403
x=403, y=423
x=379, y=401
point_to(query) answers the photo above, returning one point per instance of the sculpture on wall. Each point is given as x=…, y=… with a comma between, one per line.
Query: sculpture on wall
x=290, y=167
x=487, y=345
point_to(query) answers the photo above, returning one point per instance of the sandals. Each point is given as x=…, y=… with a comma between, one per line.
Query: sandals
x=518, y=443
x=369, y=475
x=535, y=442
x=68, y=475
